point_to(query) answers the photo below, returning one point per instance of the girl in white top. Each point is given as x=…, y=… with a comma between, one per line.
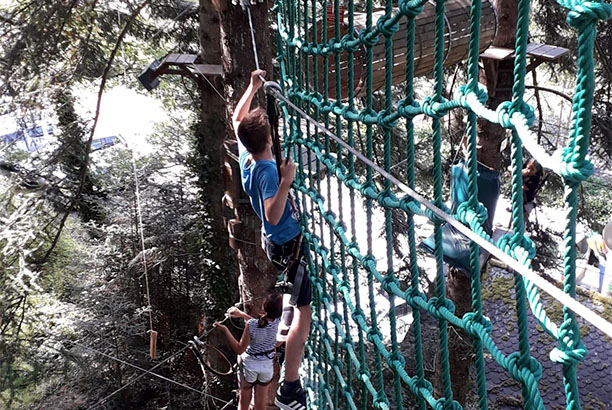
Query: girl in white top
x=255, y=351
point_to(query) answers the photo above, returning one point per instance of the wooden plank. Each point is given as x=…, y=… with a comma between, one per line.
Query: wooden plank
x=497, y=53
x=209, y=69
x=532, y=47
x=546, y=52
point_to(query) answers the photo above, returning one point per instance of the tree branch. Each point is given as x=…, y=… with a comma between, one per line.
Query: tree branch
x=85, y=166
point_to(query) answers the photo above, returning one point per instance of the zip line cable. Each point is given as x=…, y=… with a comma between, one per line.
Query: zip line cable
x=149, y=371
x=134, y=380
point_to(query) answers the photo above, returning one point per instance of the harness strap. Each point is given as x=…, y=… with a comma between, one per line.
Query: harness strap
x=272, y=112
x=259, y=354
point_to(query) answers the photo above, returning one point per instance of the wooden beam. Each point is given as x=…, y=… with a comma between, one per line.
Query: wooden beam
x=498, y=53
x=208, y=69
x=546, y=52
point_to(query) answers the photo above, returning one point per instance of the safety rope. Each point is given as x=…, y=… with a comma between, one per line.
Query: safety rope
x=332, y=248
x=149, y=308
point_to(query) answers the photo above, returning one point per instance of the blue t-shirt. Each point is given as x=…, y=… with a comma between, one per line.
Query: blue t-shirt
x=260, y=181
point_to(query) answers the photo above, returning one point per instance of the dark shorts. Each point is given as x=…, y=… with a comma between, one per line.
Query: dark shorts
x=281, y=256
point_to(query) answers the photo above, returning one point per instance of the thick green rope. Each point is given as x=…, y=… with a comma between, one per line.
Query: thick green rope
x=344, y=334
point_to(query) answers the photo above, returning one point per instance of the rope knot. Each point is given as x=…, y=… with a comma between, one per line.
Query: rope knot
x=425, y=384
x=340, y=226
x=363, y=373
x=407, y=204
x=407, y=9
x=326, y=107
x=373, y=334
x=309, y=47
x=383, y=26
x=368, y=37
x=518, y=246
x=352, y=249
x=337, y=363
x=348, y=43
x=349, y=112
x=368, y=115
x=465, y=214
x=387, y=199
x=479, y=91
x=574, y=168
x=438, y=303
x=469, y=320
x=433, y=217
x=412, y=293
x=388, y=283
x=588, y=12
x=369, y=190
x=408, y=110
x=525, y=109
x=334, y=270
x=397, y=359
x=344, y=286
x=519, y=372
x=369, y=262
x=503, y=114
x=567, y=356
x=441, y=405
x=383, y=119
x=432, y=109
x=336, y=317
x=358, y=315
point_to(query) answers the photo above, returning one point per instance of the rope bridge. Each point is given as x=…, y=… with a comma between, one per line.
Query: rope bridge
x=323, y=117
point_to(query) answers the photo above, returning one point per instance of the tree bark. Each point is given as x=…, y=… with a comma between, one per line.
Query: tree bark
x=497, y=76
x=219, y=276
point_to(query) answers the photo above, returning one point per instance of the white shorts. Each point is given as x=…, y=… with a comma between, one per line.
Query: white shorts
x=255, y=370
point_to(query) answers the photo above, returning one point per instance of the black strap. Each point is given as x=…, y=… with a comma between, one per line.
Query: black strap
x=266, y=353
x=273, y=116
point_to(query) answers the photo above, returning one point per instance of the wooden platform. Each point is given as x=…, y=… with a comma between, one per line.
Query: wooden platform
x=542, y=52
x=178, y=64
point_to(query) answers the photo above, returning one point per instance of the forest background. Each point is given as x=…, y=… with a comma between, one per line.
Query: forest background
x=71, y=277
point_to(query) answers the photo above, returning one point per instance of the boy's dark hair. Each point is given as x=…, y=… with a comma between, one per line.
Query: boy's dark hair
x=273, y=309
x=254, y=130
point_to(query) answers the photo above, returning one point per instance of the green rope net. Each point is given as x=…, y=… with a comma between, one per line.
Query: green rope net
x=345, y=327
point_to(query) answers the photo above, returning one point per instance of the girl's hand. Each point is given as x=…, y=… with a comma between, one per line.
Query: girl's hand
x=218, y=325
x=234, y=312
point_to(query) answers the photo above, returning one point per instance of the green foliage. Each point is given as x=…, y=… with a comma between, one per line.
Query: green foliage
x=596, y=203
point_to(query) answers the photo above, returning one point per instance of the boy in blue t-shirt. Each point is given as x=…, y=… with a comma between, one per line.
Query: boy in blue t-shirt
x=281, y=236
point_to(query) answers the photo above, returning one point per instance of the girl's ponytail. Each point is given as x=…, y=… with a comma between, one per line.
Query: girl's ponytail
x=273, y=309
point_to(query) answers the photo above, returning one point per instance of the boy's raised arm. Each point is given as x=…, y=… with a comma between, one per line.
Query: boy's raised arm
x=244, y=105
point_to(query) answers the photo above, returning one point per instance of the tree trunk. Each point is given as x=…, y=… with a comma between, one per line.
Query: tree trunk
x=497, y=76
x=256, y=272
x=219, y=275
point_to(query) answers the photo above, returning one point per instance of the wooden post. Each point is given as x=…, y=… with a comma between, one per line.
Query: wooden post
x=152, y=343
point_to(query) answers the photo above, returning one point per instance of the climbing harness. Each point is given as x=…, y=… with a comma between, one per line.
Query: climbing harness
x=272, y=112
